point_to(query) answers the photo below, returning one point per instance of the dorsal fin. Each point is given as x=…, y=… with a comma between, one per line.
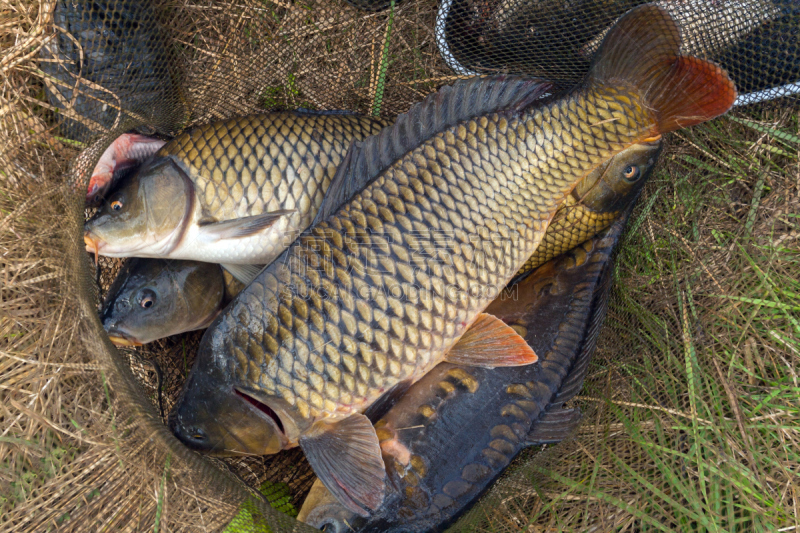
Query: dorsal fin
x=443, y=109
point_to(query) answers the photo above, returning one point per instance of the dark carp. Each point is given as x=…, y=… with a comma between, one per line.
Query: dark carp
x=395, y=280
x=154, y=298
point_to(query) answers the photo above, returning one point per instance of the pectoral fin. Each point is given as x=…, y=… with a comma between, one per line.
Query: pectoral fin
x=243, y=273
x=241, y=227
x=490, y=343
x=346, y=457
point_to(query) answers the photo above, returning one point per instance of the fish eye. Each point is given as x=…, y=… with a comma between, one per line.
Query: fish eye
x=116, y=205
x=631, y=173
x=147, y=299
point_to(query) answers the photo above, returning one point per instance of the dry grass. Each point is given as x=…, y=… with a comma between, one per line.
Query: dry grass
x=693, y=417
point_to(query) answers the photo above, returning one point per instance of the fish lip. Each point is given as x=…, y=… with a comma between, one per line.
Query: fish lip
x=122, y=341
x=120, y=337
x=92, y=245
x=98, y=246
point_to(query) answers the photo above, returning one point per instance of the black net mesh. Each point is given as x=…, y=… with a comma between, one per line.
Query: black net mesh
x=705, y=299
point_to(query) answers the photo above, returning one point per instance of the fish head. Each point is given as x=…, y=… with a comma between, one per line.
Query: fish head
x=146, y=216
x=323, y=511
x=616, y=182
x=154, y=298
x=216, y=416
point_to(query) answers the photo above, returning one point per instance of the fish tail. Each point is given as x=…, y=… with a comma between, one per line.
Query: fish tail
x=643, y=50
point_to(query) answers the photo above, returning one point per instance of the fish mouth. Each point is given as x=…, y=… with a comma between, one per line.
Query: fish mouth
x=124, y=342
x=92, y=245
x=264, y=408
x=120, y=337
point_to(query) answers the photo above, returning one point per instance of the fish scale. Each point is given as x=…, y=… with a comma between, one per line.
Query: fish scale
x=240, y=164
x=235, y=192
x=572, y=225
x=451, y=184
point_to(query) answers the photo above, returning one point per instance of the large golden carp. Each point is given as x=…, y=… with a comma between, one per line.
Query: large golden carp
x=386, y=285
x=458, y=428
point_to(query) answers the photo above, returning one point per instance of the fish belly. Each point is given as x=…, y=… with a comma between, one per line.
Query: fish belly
x=262, y=247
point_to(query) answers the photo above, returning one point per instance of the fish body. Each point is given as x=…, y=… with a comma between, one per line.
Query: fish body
x=121, y=157
x=458, y=427
x=155, y=298
x=237, y=191
x=395, y=280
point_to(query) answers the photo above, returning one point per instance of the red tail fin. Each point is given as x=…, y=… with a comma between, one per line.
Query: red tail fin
x=643, y=50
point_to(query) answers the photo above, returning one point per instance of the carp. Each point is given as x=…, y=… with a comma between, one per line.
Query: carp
x=234, y=192
x=395, y=274
x=456, y=429
x=155, y=298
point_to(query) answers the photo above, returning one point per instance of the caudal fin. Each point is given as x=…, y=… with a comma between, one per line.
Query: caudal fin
x=643, y=50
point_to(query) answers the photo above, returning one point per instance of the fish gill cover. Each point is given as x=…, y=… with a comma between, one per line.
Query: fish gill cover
x=692, y=391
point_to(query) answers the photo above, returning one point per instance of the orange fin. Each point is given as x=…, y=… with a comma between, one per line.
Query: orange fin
x=643, y=50
x=346, y=457
x=490, y=343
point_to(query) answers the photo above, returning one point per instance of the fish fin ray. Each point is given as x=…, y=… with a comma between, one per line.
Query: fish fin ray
x=490, y=343
x=340, y=190
x=242, y=227
x=643, y=50
x=555, y=425
x=450, y=105
x=243, y=273
x=346, y=457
